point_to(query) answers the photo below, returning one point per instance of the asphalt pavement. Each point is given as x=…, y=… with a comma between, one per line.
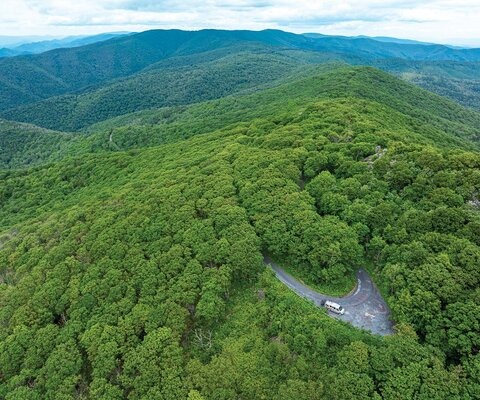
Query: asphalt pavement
x=365, y=307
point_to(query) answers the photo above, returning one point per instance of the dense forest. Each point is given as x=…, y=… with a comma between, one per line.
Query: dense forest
x=164, y=85
x=25, y=145
x=69, y=89
x=465, y=92
x=441, y=122
x=131, y=252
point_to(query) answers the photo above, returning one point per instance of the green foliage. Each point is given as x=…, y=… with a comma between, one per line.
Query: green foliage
x=342, y=91
x=377, y=105
x=160, y=86
x=138, y=274
x=27, y=79
x=464, y=91
x=83, y=85
x=456, y=80
x=22, y=144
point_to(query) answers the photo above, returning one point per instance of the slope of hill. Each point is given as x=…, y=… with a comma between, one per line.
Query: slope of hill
x=23, y=144
x=429, y=118
x=180, y=80
x=27, y=79
x=63, y=70
x=7, y=52
x=429, y=115
x=48, y=74
x=455, y=80
x=463, y=91
x=138, y=274
x=169, y=83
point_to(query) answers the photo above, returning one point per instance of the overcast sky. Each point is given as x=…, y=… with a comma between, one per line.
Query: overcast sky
x=443, y=21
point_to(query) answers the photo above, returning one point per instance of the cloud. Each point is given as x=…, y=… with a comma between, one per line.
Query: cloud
x=433, y=20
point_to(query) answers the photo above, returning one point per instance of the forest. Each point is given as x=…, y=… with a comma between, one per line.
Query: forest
x=131, y=250
x=88, y=84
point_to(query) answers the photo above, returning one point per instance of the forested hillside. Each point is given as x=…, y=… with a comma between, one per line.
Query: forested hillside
x=400, y=109
x=458, y=81
x=465, y=92
x=132, y=268
x=25, y=145
x=161, y=86
x=430, y=118
x=29, y=79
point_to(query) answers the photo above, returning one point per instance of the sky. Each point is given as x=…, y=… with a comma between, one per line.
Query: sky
x=440, y=21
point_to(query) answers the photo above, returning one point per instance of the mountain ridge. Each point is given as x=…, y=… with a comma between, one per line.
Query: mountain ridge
x=437, y=120
x=52, y=44
x=62, y=71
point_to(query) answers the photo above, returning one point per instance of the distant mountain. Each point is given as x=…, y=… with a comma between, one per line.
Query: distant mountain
x=26, y=79
x=175, y=81
x=384, y=39
x=4, y=52
x=30, y=79
x=387, y=39
x=14, y=41
x=370, y=49
x=46, y=45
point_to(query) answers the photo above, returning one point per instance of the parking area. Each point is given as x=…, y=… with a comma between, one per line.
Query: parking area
x=365, y=308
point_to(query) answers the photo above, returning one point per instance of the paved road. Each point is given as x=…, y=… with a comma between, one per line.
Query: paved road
x=364, y=307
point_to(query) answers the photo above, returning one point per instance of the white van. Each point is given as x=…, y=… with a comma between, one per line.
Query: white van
x=334, y=307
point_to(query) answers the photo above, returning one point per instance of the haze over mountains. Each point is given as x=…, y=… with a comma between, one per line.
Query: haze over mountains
x=144, y=178
x=12, y=46
x=386, y=39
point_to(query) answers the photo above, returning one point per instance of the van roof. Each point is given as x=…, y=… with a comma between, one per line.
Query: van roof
x=332, y=304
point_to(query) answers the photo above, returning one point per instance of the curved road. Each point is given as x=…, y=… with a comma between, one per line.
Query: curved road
x=364, y=307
